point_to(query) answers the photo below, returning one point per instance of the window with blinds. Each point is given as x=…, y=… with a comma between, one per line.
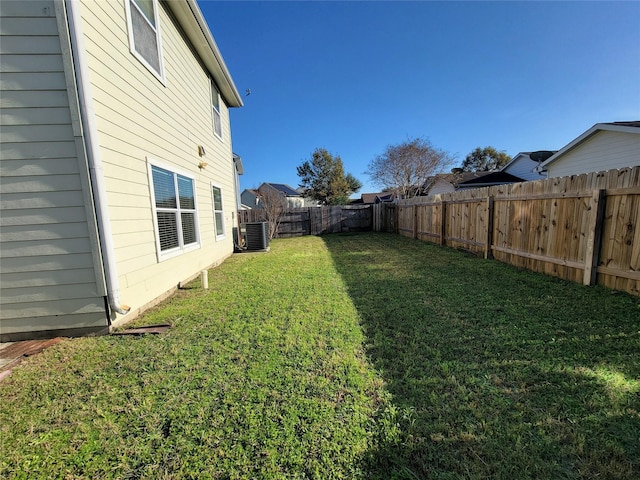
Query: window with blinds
x=175, y=210
x=144, y=34
x=215, y=108
x=217, y=211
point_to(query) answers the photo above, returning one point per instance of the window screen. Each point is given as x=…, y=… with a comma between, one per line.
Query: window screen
x=145, y=32
x=174, y=202
x=217, y=209
x=217, y=120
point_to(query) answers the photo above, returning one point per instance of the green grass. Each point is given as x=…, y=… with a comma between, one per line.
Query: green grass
x=365, y=356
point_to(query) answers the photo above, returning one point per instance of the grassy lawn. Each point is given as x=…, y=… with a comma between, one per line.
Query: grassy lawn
x=366, y=356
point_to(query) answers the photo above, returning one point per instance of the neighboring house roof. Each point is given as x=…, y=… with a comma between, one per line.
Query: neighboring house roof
x=491, y=178
x=624, y=127
x=449, y=182
x=453, y=178
x=369, y=197
x=374, y=197
x=195, y=26
x=384, y=197
x=284, y=188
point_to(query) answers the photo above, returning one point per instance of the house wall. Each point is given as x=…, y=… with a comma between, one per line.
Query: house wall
x=604, y=150
x=441, y=186
x=140, y=118
x=522, y=167
x=249, y=199
x=50, y=269
x=295, y=202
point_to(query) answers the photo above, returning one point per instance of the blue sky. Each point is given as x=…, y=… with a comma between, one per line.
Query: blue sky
x=354, y=77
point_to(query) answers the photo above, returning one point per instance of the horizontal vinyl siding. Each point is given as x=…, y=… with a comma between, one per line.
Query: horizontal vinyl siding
x=31, y=116
x=45, y=263
x=602, y=151
x=523, y=168
x=80, y=276
x=84, y=316
x=441, y=187
x=139, y=117
x=47, y=269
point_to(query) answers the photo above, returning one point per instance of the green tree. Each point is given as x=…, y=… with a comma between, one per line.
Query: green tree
x=405, y=168
x=322, y=178
x=485, y=159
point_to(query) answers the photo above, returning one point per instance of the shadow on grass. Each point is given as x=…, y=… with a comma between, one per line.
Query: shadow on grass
x=493, y=372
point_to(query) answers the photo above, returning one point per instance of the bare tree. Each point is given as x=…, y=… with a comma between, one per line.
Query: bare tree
x=406, y=167
x=274, y=204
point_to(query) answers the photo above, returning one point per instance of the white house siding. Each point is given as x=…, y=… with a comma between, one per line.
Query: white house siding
x=522, y=167
x=139, y=117
x=604, y=150
x=49, y=263
x=441, y=186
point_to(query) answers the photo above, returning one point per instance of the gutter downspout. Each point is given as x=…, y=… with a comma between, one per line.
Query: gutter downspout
x=94, y=158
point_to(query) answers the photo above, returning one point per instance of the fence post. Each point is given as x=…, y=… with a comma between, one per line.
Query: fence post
x=597, y=204
x=443, y=222
x=396, y=219
x=488, y=253
x=415, y=221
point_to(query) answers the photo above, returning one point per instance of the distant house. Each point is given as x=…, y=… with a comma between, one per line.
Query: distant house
x=294, y=199
x=604, y=146
x=448, y=182
x=372, y=198
x=250, y=198
x=118, y=178
x=519, y=169
x=523, y=166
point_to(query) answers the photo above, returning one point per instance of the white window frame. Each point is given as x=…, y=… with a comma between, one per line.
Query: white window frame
x=216, y=111
x=219, y=236
x=181, y=248
x=132, y=47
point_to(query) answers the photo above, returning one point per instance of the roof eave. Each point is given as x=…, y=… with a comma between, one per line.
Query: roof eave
x=237, y=161
x=195, y=26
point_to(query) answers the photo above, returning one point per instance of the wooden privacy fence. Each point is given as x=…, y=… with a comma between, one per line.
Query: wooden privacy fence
x=583, y=228
x=296, y=222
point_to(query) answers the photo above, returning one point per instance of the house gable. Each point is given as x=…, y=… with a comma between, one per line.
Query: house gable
x=523, y=166
x=604, y=146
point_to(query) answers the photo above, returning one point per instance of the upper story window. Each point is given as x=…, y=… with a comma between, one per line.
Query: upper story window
x=144, y=34
x=215, y=103
x=175, y=211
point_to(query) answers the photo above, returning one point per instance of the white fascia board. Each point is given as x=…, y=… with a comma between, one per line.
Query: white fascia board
x=195, y=26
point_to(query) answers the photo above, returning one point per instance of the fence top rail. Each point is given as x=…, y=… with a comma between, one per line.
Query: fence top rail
x=355, y=207
x=448, y=202
x=535, y=196
x=543, y=196
x=612, y=192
